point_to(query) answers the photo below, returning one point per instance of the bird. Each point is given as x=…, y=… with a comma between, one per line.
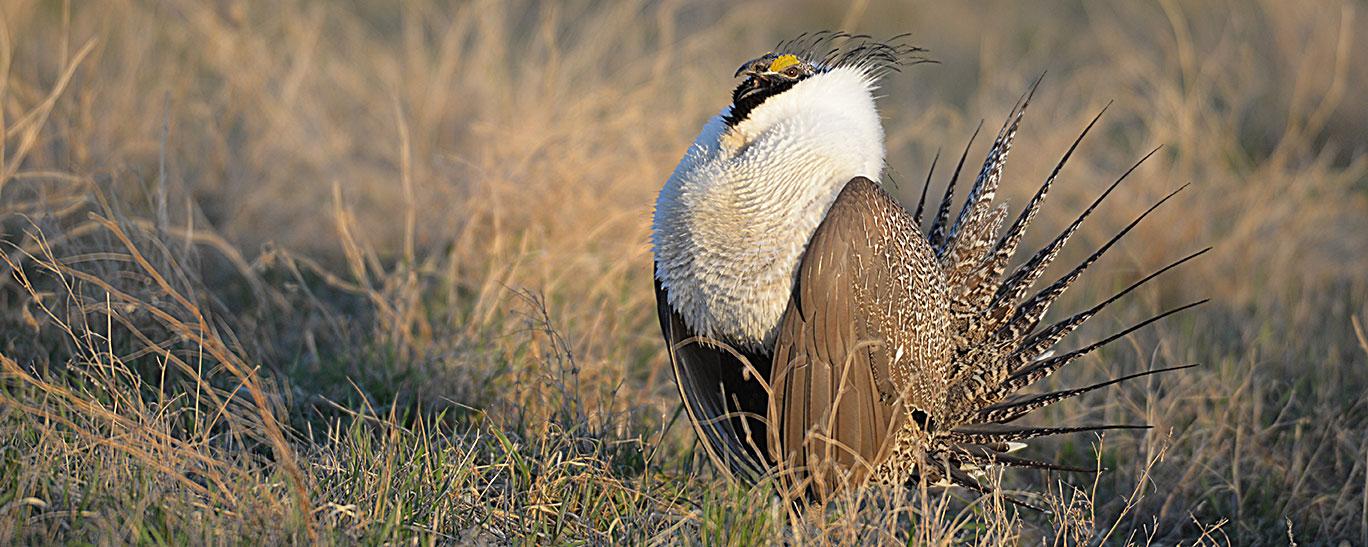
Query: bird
x=818, y=334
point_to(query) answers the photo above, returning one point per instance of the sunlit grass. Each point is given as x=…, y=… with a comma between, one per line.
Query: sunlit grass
x=363, y=272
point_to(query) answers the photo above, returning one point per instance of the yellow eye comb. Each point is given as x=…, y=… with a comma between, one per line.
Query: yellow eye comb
x=782, y=62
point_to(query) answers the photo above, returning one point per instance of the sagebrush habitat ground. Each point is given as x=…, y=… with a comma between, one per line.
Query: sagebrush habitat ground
x=379, y=272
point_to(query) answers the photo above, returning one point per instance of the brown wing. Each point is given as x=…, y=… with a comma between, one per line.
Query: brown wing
x=858, y=343
x=726, y=405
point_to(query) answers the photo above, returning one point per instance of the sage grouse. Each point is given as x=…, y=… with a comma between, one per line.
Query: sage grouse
x=816, y=332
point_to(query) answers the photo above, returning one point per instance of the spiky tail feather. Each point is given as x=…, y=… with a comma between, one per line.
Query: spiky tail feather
x=1000, y=348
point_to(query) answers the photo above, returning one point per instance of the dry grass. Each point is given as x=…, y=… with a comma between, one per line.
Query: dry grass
x=350, y=271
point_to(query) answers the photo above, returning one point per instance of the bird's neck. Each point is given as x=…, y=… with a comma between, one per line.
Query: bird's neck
x=732, y=222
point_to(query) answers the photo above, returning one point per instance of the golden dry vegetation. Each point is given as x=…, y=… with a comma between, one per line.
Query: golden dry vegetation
x=379, y=272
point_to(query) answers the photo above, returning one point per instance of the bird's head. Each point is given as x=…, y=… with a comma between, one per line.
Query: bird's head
x=769, y=75
x=810, y=56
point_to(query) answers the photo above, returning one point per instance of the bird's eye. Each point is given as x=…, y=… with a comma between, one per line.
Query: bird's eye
x=792, y=72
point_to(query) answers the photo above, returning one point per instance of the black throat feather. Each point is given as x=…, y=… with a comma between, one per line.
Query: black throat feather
x=745, y=97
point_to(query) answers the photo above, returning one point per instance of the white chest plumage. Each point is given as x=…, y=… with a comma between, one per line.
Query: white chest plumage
x=733, y=220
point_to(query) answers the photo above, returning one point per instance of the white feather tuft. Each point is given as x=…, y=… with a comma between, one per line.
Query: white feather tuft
x=735, y=216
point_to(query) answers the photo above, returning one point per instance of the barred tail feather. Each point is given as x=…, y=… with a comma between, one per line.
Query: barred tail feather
x=1037, y=344
x=1041, y=369
x=939, y=226
x=980, y=435
x=962, y=259
x=999, y=345
x=986, y=282
x=982, y=456
x=1007, y=246
x=988, y=363
x=985, y=185
x=1029, y=313
x=1026, y=275
x=921, y=202
x=979, y=291
x=1006, y=412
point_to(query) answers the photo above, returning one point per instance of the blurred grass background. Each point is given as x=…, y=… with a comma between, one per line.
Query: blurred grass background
x=369, y=271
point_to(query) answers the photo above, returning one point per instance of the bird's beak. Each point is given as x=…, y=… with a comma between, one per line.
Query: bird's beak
x=754, y=67
x=746, y=69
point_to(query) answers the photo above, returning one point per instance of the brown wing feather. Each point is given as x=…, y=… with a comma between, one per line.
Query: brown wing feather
x=726, y=406
x=863, y=340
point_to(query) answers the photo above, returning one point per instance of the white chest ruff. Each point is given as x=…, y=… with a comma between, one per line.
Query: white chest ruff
x=733, y=220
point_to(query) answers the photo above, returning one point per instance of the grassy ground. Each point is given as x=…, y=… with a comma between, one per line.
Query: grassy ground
x=350, y=271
